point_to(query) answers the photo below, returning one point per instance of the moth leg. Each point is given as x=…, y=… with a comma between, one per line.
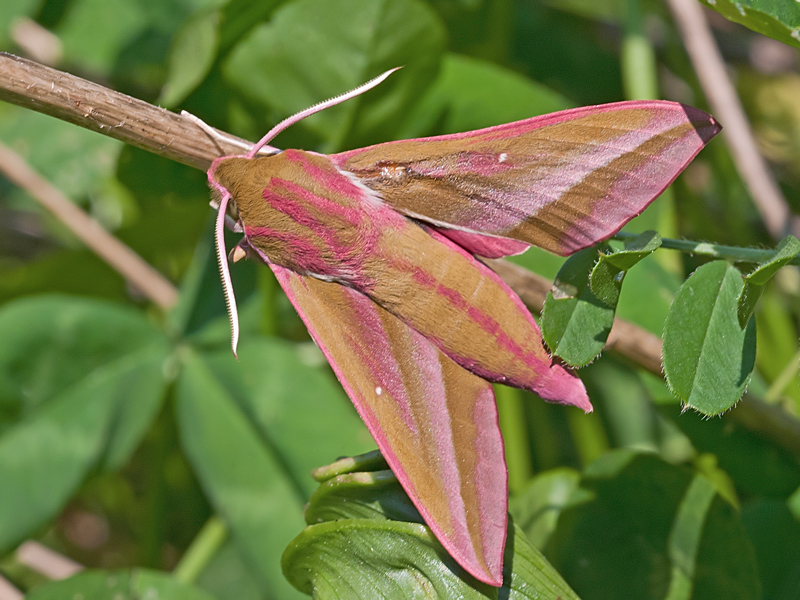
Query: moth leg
x=239, y=251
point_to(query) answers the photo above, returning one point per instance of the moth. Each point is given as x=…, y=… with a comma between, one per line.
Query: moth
x=376, y=249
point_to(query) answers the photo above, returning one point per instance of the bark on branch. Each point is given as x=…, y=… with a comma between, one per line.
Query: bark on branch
x=135, y=122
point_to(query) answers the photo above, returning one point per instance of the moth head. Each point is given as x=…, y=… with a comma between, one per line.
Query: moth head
x=228, y=175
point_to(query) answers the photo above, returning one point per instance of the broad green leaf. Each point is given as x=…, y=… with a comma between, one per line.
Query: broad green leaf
x=291, y=402
x=775, y=534
x=136, y=584
x=635, y=250
x=172, y=209
x=610, y=11
x=55, y=274
x=649, y=291
x=369, y=461
x=351, y=502
x=537, y=508
x=649, y=530
x=228, y=577
x=708, y=356
x=361, y=558
x=569, y=56
x=620, y=396
x=786, y=250
x=51, y=343
x=314, y=49
x=575, y=323
x=465, y=96
x=757, y=469
x=779, y=19
x=244, y=478
x=95, y=32
x=193, y=51
x=612, y=266
x=605, y=282
x=374, y=495
x=45, y=457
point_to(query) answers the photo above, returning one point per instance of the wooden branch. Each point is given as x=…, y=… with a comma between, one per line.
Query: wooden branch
x=135, y=122
x=173, y=136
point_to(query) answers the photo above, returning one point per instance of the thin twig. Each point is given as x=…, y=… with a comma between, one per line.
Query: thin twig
x=709, y=250
x=178, y=138
x=43, y=89
x=46, y=561
x=8, y=591
x=130, y=265
x=726, y=106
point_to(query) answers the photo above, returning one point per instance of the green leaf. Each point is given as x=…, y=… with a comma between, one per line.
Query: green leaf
x=775, y=534
x=244, y=478
x=612, y=266
x=754, y=281
x=351, y=559
x=779, y=19
x=352, y=503
x=45, y=457
x=136, y=584
x=291, y=402
x=95, y=32
x=537, y=508
x=708, y=356
x=649, y=291
x=227, y=576
x=642, y=528
x=369, y=461
x=635, y=250
x=374, y=495
x=465, y=97
x=53, y=342
x=314, y=49
x=193, y=51
x=575, y=322
x=786, y=250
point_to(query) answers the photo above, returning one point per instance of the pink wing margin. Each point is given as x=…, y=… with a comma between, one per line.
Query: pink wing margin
x=435, y=423
x=562, y=181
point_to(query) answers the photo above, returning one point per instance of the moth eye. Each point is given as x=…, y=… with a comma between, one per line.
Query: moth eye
x=232, y=210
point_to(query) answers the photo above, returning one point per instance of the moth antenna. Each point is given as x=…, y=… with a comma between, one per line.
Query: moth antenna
x=224, y=270
x=224, y=137
x=289, y=121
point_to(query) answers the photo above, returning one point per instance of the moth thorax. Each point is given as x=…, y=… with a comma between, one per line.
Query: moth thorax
x=301, y=212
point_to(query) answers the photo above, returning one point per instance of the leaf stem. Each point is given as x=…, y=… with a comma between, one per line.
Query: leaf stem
x=733, y=253
x=204, y=546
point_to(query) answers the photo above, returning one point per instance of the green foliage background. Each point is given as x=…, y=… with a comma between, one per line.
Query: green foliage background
x=123, y=430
